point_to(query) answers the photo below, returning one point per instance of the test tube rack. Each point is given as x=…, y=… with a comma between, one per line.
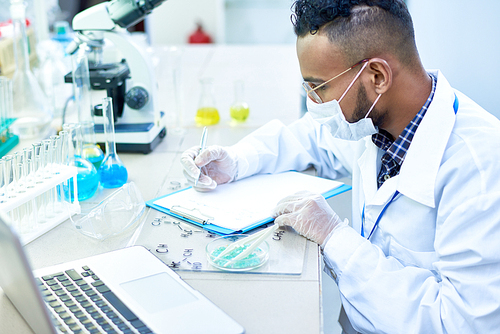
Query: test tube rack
x=70, y=204
x=7, y=139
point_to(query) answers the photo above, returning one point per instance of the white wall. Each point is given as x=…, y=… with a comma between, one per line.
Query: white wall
x=462, y=39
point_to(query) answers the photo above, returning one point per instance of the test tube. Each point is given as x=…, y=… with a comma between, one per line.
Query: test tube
x=3, y=97
x=19, y=172
x=55, y=169
x=3, y=199
x=28, y=167
x=32, y=212
x=10, y=186
x=47, y=151
x=38, y=157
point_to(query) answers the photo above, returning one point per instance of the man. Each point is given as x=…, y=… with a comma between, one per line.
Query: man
x=421, y=254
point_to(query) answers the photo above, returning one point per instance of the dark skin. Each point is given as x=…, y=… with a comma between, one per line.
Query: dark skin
x=404, y=90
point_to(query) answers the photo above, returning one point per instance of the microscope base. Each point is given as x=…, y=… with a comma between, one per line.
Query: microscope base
x=134, y=138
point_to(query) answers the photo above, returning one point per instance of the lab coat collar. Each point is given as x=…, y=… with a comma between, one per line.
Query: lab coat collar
x=419, y=171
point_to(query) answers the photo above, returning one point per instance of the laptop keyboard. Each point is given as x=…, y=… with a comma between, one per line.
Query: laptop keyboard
x=81, y=303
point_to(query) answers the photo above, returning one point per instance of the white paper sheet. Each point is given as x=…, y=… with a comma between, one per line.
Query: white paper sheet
x=240, y=204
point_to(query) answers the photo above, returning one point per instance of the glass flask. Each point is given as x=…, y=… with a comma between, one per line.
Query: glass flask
x=112, y=172
x=83, y=101
x=87, y=178
x=207, y=113
x=90, y=150
x=239, y=110
x=31, y=109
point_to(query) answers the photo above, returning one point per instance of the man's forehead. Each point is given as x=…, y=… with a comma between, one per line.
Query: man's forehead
x=317, y=54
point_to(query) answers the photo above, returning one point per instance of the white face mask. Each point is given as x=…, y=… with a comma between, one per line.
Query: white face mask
x=330, y=114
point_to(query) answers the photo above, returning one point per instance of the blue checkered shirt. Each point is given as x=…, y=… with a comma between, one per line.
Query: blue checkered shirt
x=395, y=151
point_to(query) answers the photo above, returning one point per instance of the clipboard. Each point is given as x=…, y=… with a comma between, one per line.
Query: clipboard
x=241, y=206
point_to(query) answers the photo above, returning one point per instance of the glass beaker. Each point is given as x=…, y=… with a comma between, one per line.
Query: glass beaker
x=87, y=179
x=112, y=172
x=207, y=113
x=31, y=109
x=239, y=110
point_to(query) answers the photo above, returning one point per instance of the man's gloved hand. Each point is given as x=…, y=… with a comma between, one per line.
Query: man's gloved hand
x=309, y=214
x=217, y=164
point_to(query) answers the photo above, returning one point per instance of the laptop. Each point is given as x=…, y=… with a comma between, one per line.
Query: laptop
x=125, y=291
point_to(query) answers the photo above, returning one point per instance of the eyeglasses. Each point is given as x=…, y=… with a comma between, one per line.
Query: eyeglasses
x=311, y=87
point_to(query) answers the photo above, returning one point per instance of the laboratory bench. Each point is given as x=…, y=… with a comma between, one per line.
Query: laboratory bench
x=260, y=303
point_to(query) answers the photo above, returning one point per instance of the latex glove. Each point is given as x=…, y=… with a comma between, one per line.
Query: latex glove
x=309, y=214
x=216, y=164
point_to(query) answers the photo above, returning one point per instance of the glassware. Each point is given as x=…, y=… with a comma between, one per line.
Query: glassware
x=112, y=172
x=87, y=178
x=9, y=178
x=207, y=113
x=239, y=110
x=31, y=108
x=81, y=85
x=3, y=198
x=91, y=151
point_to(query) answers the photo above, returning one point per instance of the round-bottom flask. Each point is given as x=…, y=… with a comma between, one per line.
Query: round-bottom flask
x=112, y=171
x=87, y=178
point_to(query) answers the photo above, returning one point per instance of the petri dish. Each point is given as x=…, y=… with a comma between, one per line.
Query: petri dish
x=256, y=259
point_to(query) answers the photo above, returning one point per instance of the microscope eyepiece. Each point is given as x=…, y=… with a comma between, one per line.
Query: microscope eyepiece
x=126, y=13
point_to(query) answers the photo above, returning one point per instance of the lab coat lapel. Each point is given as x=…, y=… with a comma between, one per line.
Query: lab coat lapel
x=367, y=164
x=419, y=171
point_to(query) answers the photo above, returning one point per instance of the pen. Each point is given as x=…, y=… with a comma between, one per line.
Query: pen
x=203, y=143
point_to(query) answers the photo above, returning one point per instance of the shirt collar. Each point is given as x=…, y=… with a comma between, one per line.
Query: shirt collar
x=396, y=150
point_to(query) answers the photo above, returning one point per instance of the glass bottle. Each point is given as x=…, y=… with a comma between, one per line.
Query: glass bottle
x=83, y=100
x=239, y=110
x=32, y=111
x=87, y=178
x=112, y=172
x=207, y=113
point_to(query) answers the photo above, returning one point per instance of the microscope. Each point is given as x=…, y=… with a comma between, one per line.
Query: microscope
x=139, y=123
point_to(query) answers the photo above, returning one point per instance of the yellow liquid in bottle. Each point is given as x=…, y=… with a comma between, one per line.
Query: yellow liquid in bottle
x=239, y=112
x=207, y=116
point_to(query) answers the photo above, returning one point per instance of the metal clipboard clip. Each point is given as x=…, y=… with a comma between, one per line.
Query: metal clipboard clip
x=191, y=214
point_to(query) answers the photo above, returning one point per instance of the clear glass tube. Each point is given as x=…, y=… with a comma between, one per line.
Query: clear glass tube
x=32, y=111
x=47, y=151
x=3, y=198
x=19, y=172
x=38, y=157
x=112, y=172
x=81, y=86
x=10, y=186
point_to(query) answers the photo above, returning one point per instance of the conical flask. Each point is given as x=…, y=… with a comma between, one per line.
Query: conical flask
x=31, y=108
x=207, y=113
x=112, y=172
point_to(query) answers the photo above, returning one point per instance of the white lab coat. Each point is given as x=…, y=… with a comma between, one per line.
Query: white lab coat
x=433, y=263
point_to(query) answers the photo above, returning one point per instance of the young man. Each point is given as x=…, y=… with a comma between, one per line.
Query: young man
x=421, y=254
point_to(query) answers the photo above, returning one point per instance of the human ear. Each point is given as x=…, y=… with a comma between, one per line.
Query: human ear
x=380, y=75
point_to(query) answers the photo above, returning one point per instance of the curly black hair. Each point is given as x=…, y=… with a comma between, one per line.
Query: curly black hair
x=360, y=28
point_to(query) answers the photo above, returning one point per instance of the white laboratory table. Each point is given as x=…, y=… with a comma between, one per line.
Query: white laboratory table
x=260, y=303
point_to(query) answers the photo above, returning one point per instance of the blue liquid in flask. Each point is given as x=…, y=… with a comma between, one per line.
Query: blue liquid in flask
x=87, y=181
x=112, y=172
x=112, y=175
